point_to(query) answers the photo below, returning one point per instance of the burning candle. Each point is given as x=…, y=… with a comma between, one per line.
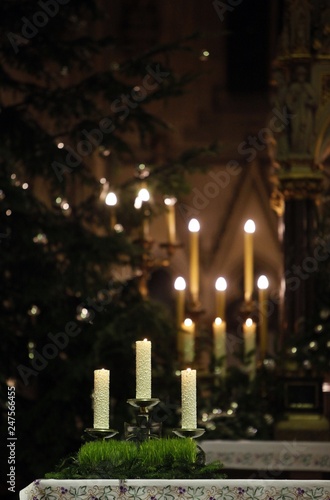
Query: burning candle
x=263, y=319
x=188, y=341
x=111, y=201
x=188, y=399
x=219, y=338
x=249, y=332
x=194, y=228
x=170, y=216
x=143, y=369
x=180, y=287
x=220, y=297
x=249, y=229
x=101, y=399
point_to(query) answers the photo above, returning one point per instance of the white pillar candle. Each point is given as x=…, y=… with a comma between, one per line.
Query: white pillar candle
x=101, y=399
x=143, y=369
x=219, y=338
x=188, y=399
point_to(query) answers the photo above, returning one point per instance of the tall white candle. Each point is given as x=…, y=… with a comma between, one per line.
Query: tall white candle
x=249, y=229
x=101, y=399
x=219, y=338
x=263, y=318
x=220, y=297
x=188, y=399
x=143, y=369
x=194, y=228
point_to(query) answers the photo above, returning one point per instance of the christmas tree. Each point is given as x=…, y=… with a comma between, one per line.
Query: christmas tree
x=77, y=101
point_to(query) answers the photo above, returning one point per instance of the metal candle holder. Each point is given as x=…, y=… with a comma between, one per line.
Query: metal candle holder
x=144, y=428
x=99, y=434
x=189, y=433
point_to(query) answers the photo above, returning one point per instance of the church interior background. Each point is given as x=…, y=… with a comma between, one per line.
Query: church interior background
x=262, y=96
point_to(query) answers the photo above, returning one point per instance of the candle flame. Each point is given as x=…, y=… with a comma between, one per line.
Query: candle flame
x=145, y=340
x=144, y=194
x=187, y=322
x=249, y=226
x=180, y=283
x=111, y=199
x=249, y=322
x=138, y=202
x=221, y=284
x=263, y=282
x=188, y=369
x=170, y=201
x=194, y=226
x=218, y=321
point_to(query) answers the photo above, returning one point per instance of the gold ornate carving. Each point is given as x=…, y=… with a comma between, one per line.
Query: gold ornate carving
x=301, y=187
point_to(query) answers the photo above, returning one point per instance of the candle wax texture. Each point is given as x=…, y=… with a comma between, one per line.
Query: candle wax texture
x=188, y=399
x=143, y=369
x=101, y=399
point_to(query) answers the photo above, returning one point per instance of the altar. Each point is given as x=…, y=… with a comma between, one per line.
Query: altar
x=153, y=489
x=269, y=455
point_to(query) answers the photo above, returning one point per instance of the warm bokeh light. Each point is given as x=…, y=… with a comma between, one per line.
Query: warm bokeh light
x=249, y=226
x=263, y=282
x=194, y=226
x=180, y=283
x=111, y=199
x=221, y=284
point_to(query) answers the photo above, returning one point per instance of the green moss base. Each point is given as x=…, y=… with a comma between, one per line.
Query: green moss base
x=153, y=459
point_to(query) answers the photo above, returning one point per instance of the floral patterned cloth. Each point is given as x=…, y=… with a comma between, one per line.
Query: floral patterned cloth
x=139, y=489
x=269, y=455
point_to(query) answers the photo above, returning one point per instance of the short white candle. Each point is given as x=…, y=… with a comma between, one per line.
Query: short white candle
x=219, y=338
x=188, y=399
x=249, y=331
x=143, y=369
x=111, y=201
x=170, y=215
x=101, y=399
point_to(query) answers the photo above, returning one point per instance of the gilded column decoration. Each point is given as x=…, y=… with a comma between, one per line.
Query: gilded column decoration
x=299, y=88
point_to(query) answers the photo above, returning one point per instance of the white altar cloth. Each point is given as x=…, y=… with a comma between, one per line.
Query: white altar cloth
x=183, y=489
x=269, y=455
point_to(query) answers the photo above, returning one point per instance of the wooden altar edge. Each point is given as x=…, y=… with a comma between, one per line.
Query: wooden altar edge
x=208, y=489
x=269, y=455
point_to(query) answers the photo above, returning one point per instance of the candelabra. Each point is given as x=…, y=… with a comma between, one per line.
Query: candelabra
x=145, y=428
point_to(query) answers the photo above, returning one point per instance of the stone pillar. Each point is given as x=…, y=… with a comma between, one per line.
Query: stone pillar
x=300, y=192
